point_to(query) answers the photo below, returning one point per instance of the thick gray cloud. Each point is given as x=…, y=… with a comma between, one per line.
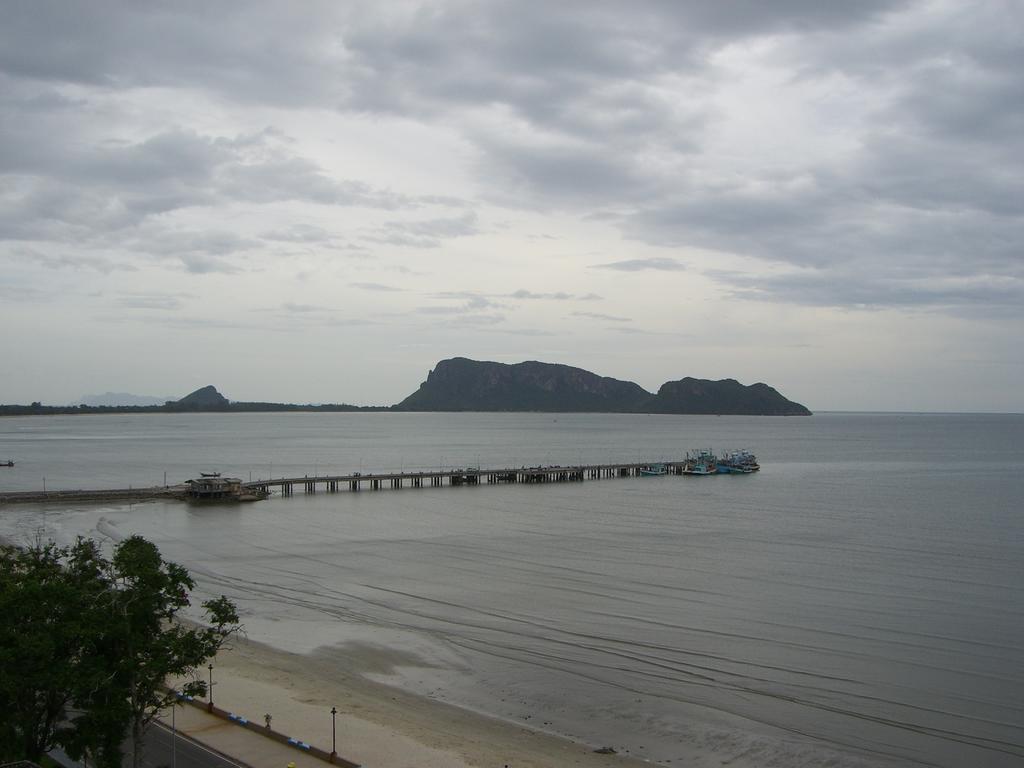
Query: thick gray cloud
x=864, y=155
x=70, y=181
x=577, y=76
x=540, y=57
x=356, y=53
x=114, y=196
x=577, y=105
x=73, y=189
x=936, y=183
x=118, y=44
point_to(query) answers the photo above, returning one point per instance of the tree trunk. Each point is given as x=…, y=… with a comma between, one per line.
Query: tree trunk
x=136, y=743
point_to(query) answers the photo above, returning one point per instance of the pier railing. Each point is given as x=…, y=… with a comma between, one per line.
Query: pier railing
x=457, y=477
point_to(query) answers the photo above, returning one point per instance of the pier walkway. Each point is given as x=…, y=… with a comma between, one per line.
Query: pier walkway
x=370, y=481
x=458, y=477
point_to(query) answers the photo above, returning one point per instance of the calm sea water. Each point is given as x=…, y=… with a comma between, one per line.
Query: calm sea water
x=857, y=602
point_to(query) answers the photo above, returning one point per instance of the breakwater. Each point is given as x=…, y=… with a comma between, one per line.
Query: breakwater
x=101, y=495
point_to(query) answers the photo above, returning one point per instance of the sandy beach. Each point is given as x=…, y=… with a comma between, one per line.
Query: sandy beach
x=379, y=725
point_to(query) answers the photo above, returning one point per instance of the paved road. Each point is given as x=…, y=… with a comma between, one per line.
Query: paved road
x=164, y=750
x=160, y=753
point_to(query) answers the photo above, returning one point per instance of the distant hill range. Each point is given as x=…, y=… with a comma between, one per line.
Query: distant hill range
x=115, y=399
x=204, y=400
x=460, y=384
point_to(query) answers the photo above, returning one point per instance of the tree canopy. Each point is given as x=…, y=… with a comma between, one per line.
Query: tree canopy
x=87, y=642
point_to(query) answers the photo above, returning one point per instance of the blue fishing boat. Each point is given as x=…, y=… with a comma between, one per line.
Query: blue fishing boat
x=740, y=462
x=700, y=463
x=653, y=470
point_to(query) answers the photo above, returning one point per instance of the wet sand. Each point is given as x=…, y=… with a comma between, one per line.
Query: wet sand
x=379, y=725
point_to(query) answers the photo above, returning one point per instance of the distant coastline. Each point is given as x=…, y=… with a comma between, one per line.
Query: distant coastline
x=461, y=384
x=37, y=409
x=204, y=400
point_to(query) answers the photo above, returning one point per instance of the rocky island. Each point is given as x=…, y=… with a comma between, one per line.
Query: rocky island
x=460, y=384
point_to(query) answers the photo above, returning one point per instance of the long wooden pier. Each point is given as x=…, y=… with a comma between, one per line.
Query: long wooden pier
x=458, y=477
x=358, y=481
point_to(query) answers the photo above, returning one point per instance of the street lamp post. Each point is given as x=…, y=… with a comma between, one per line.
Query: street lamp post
x=334, y=740
x=209, y=706
x=174, y=733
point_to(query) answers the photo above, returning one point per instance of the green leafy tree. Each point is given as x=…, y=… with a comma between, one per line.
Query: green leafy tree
x=86, y=644
x=48, y=596
x=149, y=646
x=32, y=710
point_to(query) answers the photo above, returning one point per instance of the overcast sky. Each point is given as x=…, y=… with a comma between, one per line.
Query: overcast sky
x=316, y=201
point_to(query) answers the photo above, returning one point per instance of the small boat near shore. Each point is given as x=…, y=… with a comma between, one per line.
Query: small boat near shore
x=8, y=463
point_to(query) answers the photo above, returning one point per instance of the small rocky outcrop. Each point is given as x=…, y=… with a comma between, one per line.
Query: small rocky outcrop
x=204, y=399
x=726, y=397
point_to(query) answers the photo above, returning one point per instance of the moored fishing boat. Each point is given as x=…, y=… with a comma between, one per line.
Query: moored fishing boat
x=739, y=462
x=700, y=463
x=653, y=470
